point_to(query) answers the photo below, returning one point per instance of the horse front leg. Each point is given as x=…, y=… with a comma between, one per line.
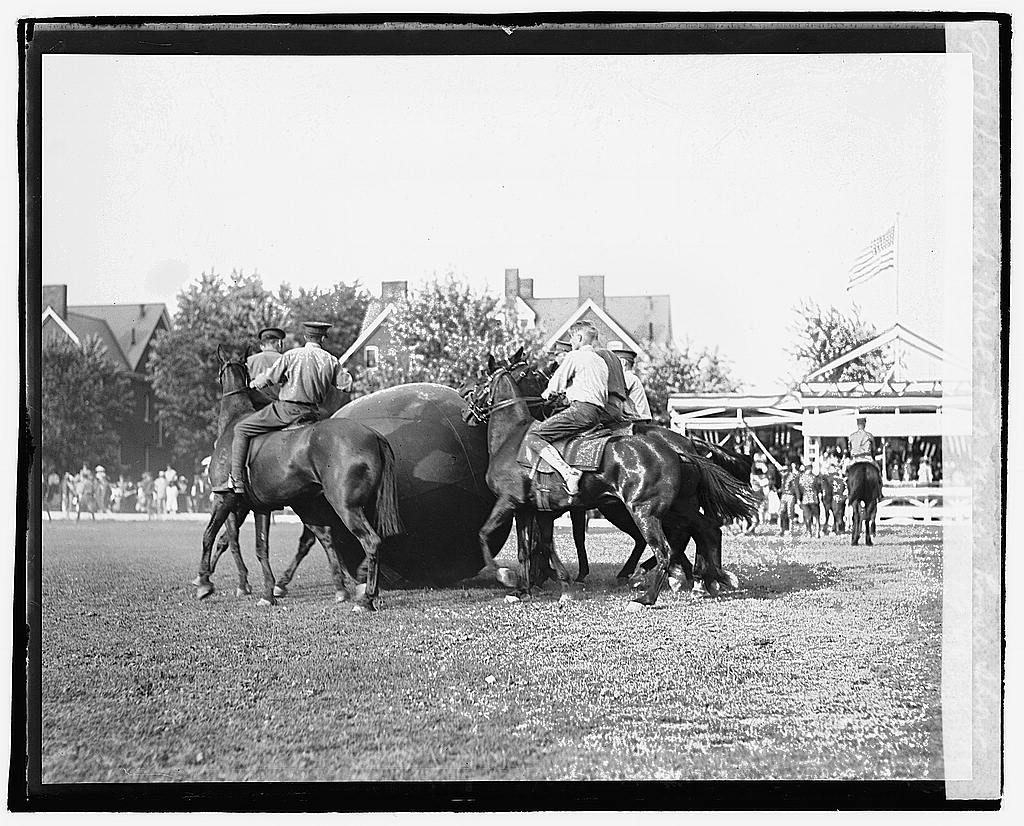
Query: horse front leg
x=262, y=524
x=579, y=537
x=525, y=543
x=305, y=543
x=855, y=523
x=218, y=516
x=869, y=523
x=498, y=522
x=229, y=539
x=546, y=539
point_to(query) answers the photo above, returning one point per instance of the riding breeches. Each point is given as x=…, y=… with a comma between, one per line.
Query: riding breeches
x=274, y=416
x=576, y=418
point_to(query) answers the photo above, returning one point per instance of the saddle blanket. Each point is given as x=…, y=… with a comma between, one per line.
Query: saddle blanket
x=582, y=451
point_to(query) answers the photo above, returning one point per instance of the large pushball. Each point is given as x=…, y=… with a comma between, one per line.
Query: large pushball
x=443, y=498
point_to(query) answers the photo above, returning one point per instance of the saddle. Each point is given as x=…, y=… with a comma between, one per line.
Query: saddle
x=582, y=451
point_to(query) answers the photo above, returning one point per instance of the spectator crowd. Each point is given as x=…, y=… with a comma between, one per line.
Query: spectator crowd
x=91, y=491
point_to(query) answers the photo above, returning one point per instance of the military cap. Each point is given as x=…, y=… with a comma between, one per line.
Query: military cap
x=862, y=420
x=270, y=333
x=621, y=349
x=100, y=469
x=316, y=328
x=561, y=346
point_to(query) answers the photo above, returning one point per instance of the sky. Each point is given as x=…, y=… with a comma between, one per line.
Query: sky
x=738, y=184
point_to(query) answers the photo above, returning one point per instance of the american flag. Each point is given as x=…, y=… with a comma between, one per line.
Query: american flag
x=877, y=256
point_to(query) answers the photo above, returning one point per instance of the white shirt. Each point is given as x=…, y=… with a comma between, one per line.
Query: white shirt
x=582, y=376
x=637, y=406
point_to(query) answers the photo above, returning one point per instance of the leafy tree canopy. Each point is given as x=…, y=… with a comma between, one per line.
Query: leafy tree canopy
x=442, y=333
x=85, y=398
x=688, y=369
x=824, y=334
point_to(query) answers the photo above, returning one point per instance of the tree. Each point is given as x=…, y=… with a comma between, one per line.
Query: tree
x=443, y=333
x=344, y=305
x=825, y=334
x=671, y=370
x=86, y=398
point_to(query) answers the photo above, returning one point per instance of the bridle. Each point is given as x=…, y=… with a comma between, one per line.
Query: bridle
x=245, y=375
x=481, y=411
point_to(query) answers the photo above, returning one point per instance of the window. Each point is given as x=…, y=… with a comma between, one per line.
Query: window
x=148, y=417
x=370, y=357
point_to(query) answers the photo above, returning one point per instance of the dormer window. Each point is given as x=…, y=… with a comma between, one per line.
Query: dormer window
x=370, y=355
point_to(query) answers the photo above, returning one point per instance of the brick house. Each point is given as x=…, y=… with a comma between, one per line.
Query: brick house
x=638, y=320
x=128, y=331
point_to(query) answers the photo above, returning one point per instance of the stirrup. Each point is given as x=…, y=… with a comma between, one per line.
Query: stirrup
x=574, y=489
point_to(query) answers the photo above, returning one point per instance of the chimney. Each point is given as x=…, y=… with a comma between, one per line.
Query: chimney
x=526, y=287
x=133, y=336
x=56, y=296
x=394, y=290
x=592, y=287
x=511, y=283
x=142, y=310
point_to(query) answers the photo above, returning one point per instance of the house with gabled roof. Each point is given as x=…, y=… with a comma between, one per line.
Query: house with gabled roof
x=127, y=331
x=639, y=321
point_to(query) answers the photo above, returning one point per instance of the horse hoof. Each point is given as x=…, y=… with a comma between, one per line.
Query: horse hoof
x=363, y=607
x=198, y=580
x=510, y=598
x=634, y=606
x=636, y=581
x=731, y=580
x=242, y=592
x=265, y=603
x=713, y=588
x=361, y=591
x=280, y=591
x=678, y=584
x=341, y=596
x=204, y=590
x=507, y=577
x=567, y=597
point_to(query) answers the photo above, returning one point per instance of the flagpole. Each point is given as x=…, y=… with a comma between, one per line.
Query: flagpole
x=898, y=373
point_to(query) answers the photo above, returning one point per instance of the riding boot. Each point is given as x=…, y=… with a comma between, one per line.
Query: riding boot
x=569, y=475
x=239, y=451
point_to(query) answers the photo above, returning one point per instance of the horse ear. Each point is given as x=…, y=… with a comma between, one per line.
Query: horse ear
x=220, y=354
x=517, y=356
x=491, y=365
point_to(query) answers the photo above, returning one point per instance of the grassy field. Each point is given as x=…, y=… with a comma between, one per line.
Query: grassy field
x=826, y=664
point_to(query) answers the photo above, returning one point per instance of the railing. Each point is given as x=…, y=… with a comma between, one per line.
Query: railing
x=910, y=504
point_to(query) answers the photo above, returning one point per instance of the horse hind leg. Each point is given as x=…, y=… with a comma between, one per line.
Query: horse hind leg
x=359, y=526
x=262, y=520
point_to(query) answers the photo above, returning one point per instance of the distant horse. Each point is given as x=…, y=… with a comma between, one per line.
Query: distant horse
x=865, y=490
x=653, y=482
x=332, y=469
x=531, y=381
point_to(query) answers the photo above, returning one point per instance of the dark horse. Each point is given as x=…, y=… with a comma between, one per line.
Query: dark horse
x=330, y=470
x=531, y=381
x=865, y=490
x=653, y=482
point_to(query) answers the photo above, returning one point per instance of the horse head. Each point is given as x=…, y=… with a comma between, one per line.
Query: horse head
x=233, y=374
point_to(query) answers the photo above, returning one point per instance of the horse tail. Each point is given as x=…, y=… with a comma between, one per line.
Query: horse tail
x=720, y=494
x=389, y=521
x=737, y=464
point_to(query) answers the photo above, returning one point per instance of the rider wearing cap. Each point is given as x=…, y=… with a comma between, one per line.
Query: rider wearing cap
x=862, y=443
x=595, y=395
x=271, y=342
x=306, y=375
x=637, y=408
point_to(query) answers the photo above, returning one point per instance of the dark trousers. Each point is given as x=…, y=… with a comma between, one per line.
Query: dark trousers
x=272, y=417
x=576, y=418
x=811, y=514
x=786, y=502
